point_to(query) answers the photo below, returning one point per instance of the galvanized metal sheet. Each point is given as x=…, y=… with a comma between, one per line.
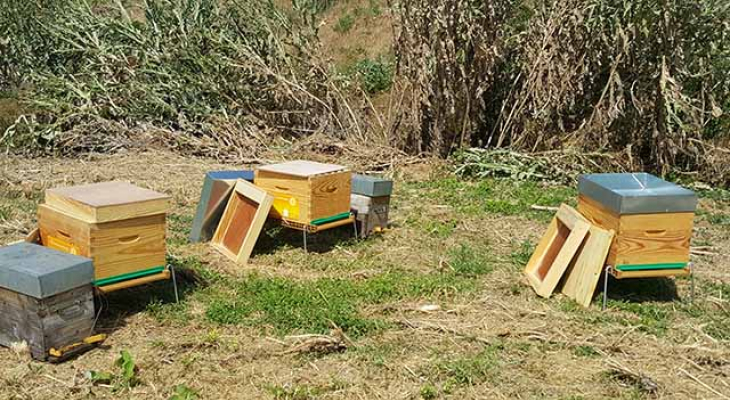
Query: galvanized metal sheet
x=41, y=272
x=637, y=193
x=371, y=186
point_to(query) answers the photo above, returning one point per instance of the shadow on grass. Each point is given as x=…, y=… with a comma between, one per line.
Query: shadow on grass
x=640, y=290
x=157, y=297
x=274, y=236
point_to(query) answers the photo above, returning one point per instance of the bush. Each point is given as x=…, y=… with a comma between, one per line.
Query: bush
x=203, y=75
x=375, y=75
x=646, y=78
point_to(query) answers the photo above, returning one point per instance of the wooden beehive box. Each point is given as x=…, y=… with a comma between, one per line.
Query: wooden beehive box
x=46, y=298
x=119, y=225
x=652, y=218
x=306, y=192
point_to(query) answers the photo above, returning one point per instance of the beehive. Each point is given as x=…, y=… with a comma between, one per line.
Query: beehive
x=46, y=298
x=652, y=218
x=306, y=192
x=119, y=225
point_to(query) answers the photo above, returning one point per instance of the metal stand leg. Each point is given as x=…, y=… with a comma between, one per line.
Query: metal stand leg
x=354, y=225
x=304, y=234
x=691, y=284
x=174, y=284
x=605, y=287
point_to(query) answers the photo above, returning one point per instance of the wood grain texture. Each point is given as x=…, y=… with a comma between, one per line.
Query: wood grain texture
x=56, y=321
x=302, y=168
x=305, y=199
x=657, y=273
x=135, y=282
x=582, y=276
x=643, y=238
x=242, y=221
x=107, y=201
x=117, y=248
x=556, y=250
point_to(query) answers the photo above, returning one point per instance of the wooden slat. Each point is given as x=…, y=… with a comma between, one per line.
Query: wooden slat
x=135, y=282
x=582, y=276
x=657, y=273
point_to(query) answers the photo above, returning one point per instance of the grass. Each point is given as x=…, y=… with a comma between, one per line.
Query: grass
x=290, y=306
x=495, y=196
x=467, y=370
x=345, y=23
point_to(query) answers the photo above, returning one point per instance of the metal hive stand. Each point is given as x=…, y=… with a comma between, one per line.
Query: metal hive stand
x=609, y=270
x=311, y=229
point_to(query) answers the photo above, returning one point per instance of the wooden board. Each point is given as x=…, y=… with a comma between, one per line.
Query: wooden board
x=107, y=201
x=117, y=248
x=556, y=250
x=302, y=168
x=657, y=273
x=56, y=321
x=642, y=238
x=242, y=221
x=135, y=282
x=582, y=276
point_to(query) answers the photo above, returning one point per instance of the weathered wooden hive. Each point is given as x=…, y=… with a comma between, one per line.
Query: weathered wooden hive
x=46, y=298
x=370, y=200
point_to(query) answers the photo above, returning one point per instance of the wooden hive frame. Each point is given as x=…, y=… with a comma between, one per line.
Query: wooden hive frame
x=242, y=221
x=556, y=250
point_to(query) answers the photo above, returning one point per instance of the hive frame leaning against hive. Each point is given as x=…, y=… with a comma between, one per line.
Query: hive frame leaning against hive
x=556, y=250
x=248, y=206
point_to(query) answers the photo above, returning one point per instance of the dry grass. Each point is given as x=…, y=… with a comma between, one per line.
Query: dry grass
x=493, y=339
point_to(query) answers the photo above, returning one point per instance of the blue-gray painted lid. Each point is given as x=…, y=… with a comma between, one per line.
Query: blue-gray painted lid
x=41, y=272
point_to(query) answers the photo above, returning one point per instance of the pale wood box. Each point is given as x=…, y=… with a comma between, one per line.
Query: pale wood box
x=306, y=192
x=652, y=218
x=120, y=226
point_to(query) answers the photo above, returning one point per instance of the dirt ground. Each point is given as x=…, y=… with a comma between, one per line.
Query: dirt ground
x=498, y=340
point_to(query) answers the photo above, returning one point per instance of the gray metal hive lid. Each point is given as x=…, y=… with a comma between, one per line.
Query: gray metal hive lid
x=41, y=272
x=637, y=193
x=371, y=186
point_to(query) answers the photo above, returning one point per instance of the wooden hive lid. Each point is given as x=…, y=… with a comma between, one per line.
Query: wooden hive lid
x=41, y=272
x=107, y=201
x=303, y=168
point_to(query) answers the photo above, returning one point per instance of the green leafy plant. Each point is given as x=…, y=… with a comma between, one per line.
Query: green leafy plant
x=182, y=392
x=126, y=378
x=375, y=75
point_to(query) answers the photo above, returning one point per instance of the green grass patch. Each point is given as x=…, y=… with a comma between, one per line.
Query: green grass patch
x=469, y=261
x=466, y=370
x=652, y=318
x=345, y=23
x=495, y=196
x=313, y=306
x=521, y=253
x=374, y=75
x=179, y=229
x=585, y=351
